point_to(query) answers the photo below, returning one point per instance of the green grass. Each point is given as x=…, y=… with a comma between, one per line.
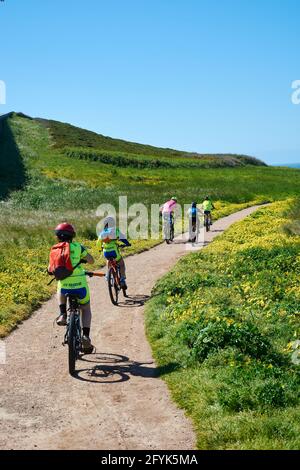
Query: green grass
x=222, y=326
x=46, y=186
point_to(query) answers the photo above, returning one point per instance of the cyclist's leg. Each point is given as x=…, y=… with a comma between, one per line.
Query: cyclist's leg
x=122, y=269
x=86, y=315
x=86, y=319
x=171, y=226
x=190, y=229
x=197, y=229
x=166, y=225
x=194, y=228
x=62, y=302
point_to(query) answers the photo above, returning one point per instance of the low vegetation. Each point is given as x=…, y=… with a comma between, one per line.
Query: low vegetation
x=223, y=326
x=47, y=185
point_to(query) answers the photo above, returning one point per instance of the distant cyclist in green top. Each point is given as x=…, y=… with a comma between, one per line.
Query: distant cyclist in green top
x=207, y=207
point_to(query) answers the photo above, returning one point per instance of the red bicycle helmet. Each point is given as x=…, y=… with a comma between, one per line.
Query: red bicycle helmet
x=65, y=230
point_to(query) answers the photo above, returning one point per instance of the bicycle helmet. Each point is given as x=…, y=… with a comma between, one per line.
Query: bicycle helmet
x=109, y=222
x=194, y=204
x=174, y=198
x=65, y=231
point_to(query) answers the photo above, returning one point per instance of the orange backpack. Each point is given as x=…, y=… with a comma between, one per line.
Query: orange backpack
x=60, y=265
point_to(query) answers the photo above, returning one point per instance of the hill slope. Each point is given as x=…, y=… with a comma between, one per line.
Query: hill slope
x=67, y=135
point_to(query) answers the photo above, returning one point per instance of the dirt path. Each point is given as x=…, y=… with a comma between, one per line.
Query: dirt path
x=117, y=400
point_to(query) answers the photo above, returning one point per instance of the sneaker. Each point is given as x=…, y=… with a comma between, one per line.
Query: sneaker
x=61, y=320
x=87, y=347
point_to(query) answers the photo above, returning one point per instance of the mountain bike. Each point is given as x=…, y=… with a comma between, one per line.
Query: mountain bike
x=114, y=280
x=168, y=228
x=194, y=229
x=207, y=220
x=73, y=331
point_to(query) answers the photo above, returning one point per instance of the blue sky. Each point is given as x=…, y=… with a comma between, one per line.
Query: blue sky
x=199, y=75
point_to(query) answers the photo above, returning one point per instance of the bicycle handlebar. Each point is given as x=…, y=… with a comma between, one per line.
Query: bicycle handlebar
x=93, y=274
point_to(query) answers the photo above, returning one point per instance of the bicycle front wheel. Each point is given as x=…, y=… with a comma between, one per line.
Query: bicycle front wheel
x=113, y=288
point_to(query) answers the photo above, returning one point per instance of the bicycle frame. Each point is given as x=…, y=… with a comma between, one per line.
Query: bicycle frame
x=168, y=227
x=112, y=264
x=73, y=329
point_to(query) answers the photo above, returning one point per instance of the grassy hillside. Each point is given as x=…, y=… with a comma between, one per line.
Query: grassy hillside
x=66, y=135
x=43, y=183
x=223, y=326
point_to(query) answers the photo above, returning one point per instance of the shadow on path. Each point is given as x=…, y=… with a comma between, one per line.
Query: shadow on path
x=113, y=368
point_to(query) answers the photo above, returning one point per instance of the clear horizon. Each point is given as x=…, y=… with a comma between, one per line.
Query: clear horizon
x=209, y=77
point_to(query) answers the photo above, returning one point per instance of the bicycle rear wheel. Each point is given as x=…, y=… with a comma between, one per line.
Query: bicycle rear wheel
x=207, y=223
x=172, y=232
x=72, y=343
x=113, y=288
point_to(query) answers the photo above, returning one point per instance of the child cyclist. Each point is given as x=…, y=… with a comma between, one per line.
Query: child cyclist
x=108, y=242
x=75, y=283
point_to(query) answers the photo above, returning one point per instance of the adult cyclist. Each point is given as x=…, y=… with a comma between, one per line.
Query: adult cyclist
x=207, y=207
x=194, y=222
x=167, y=211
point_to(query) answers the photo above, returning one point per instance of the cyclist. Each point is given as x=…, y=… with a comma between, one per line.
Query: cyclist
x=76, y=284
x=208, y=206
x=194, y=222
x=167, y=211
x=108, y=241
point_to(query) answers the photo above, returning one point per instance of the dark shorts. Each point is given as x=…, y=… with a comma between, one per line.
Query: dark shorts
x=207, y=212
x=110, y=254
x=82, y=294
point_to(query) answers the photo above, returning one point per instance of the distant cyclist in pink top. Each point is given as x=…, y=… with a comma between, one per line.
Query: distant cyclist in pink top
x=167, y=211
x=169, y=206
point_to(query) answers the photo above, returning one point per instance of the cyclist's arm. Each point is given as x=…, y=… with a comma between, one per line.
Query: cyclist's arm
x=124, y=241
x=89, y=259
x=85, y=256
x=122, y=238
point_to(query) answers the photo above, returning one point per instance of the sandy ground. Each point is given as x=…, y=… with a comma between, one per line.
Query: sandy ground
x=116, y=400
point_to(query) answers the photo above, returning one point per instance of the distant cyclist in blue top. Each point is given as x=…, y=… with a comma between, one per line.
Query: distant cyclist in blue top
x=194, y=222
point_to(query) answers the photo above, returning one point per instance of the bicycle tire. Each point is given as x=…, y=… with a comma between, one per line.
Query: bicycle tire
x=72, y=343
x=172, y=233
x=112, y=287
x=207, y=223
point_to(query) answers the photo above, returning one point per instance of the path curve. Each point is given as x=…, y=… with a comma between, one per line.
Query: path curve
x=117, y=400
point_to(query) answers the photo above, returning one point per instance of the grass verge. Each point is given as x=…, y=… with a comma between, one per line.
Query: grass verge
x=223, y=327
